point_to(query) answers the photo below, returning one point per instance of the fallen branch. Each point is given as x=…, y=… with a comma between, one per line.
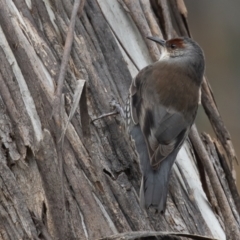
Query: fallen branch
x=152, y=234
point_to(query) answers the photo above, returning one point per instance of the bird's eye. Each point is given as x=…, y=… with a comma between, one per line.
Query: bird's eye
x=173, y=46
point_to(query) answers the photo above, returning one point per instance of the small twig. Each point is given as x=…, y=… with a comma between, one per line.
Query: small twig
x=118, y=110
x=76, y=98
x=67, y=48
x=57, y=106
x=105, y=115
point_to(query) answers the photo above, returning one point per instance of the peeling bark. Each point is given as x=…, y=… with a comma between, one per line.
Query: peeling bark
x=95, y=193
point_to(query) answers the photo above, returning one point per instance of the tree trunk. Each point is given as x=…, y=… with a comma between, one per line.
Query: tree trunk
x=85, y=185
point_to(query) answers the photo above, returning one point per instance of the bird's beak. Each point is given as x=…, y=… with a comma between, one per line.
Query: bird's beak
x=157, y=40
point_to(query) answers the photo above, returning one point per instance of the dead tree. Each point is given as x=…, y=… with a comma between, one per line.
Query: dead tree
x=70, y=178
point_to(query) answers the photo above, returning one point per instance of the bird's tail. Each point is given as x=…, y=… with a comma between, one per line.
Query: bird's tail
x=154, y=185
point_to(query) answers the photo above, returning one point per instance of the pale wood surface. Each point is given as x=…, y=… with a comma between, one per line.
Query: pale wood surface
x=95, y=195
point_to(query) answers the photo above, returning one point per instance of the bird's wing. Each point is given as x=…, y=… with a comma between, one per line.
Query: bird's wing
x=163, y=127
x=164, y=134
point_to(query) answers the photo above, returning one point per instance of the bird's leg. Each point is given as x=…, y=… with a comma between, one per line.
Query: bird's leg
x=118, y=110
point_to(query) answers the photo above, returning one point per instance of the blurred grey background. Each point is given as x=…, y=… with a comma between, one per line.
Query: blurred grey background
x=215, y=26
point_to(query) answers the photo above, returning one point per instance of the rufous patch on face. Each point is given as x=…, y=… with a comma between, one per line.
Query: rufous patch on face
x=177, y=42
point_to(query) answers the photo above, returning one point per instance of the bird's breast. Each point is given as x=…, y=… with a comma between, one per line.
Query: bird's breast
x=171, y=88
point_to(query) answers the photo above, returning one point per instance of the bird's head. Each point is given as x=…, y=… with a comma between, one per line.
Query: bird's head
x=178, y=47
x=182, y=51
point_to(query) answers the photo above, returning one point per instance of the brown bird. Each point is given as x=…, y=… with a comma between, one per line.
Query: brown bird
x=160, y=111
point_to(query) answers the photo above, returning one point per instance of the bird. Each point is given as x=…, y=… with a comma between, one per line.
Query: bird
x=160, y=110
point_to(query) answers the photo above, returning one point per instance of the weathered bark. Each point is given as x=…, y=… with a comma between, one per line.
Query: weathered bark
x=86, y=185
